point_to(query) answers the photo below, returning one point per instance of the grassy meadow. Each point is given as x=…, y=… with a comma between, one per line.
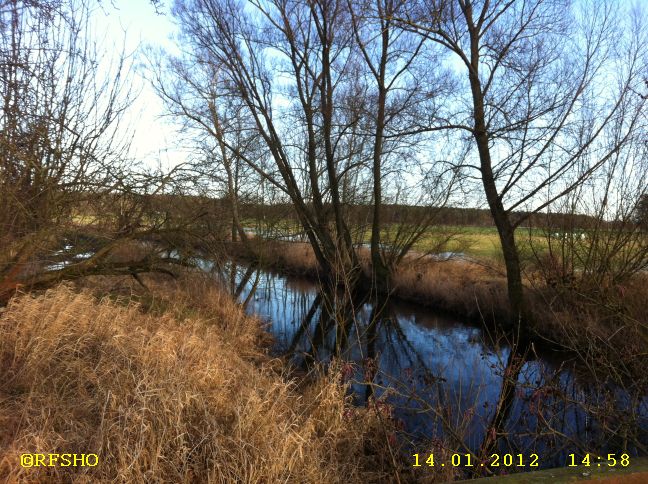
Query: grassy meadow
x=476, y=242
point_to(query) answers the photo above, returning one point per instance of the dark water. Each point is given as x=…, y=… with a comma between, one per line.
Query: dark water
x=442, y=376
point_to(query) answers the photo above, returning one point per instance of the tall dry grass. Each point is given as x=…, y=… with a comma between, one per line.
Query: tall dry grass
x=465, y=288
x=177, y=394
x=291, y=257
x=458, y=286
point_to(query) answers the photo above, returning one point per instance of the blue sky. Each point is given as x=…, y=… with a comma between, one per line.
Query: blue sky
x=156, y=139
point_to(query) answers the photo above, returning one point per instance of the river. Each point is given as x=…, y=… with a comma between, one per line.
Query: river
x=441, y=375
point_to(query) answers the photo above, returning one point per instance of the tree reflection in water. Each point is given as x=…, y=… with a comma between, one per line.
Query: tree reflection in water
x=444, y=379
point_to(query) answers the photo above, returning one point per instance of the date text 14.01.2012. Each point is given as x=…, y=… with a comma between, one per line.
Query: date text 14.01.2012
x=467, y=460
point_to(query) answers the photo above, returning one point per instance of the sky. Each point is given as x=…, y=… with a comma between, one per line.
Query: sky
x=155, y=137
x=135, y=24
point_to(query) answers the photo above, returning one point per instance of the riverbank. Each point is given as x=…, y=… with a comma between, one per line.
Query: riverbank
x=609, y=330
x=173, y=384
x=635, y=473
x=458, y=286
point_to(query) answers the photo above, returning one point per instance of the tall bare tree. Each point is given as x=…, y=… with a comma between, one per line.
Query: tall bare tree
x=214, y=126
x=303, y=42
x=335, y=93
x=398, y=85
x=548, y=98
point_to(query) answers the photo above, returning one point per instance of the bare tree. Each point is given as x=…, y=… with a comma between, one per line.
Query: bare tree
x=397, y=92
x=214, y=125
x=549, y=99
x=68, y=195
x=336, y=94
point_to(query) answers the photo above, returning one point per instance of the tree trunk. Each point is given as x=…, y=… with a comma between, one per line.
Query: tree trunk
x=380, y=271
x=505, y=228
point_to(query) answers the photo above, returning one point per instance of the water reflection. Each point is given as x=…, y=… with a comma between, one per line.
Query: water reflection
x=444, y=378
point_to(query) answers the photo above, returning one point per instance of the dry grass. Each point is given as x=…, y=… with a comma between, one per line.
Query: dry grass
x=458, y=286
x=607, y=326
x=180, y=393
x=291, y=257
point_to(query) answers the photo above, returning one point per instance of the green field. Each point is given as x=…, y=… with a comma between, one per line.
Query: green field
x=478, y=242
